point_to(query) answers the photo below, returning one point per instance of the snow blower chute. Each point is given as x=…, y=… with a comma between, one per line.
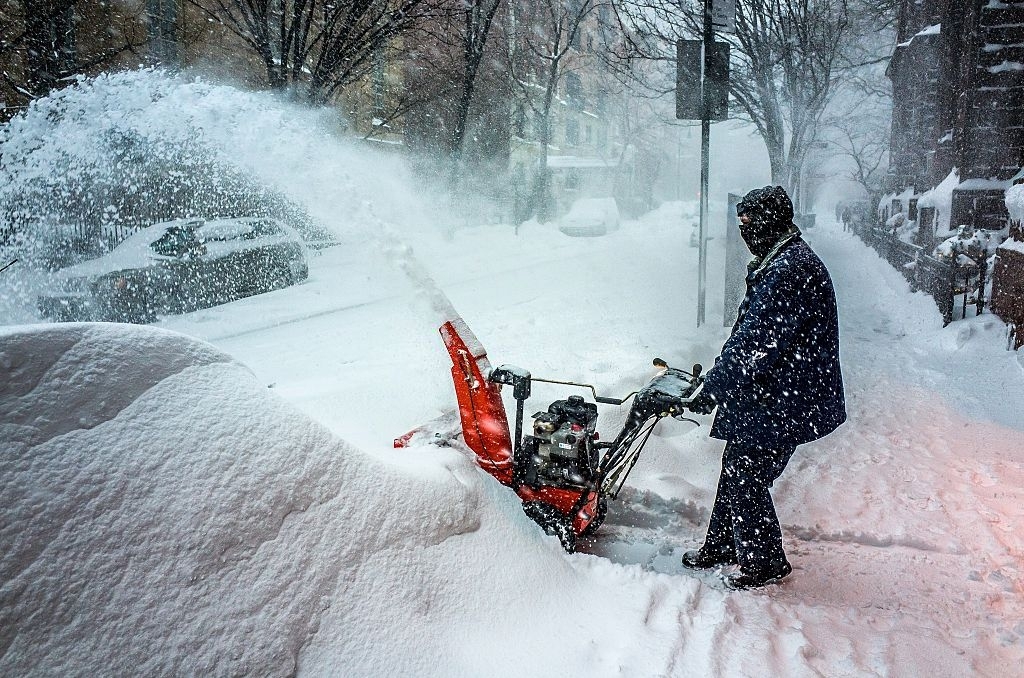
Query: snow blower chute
x=562, y=473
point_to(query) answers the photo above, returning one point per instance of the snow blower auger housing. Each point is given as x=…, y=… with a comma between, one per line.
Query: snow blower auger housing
x=561, y=471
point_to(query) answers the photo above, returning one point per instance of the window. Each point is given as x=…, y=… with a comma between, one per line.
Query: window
x=574, y=91
x=572, y=133
x=162, y=29
x=572, y=181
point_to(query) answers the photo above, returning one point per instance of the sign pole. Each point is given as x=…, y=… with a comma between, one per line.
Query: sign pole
x=705, y=161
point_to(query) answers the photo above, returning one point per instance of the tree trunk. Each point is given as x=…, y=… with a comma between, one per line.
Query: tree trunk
x=478, y=26
x=462, y=112
x=542, y=186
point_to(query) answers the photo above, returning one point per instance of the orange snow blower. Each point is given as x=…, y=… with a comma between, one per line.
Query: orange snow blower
x=562, y=473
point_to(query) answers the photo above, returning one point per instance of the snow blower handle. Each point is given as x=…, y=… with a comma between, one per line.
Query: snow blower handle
x=605, y=400
x=597, y=398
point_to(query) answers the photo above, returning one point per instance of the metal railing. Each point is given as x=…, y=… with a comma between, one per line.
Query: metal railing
x=954, y=287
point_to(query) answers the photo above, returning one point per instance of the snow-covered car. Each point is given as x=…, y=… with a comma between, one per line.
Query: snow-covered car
x=590, y=217
x=178, y=266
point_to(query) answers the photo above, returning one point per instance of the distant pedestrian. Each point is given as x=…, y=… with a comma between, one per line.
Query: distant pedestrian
x=777, y=384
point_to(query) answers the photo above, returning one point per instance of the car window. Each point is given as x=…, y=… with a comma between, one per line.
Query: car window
x=175, y=242
x=238, y=229
x=220, y=231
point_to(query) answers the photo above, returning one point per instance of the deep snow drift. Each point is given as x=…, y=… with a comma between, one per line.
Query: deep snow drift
x=171, y=506
x=166, y=514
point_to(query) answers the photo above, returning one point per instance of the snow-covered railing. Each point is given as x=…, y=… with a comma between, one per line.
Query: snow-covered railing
x=955, y=283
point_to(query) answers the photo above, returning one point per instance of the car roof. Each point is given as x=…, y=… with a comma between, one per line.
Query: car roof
x=135, y=252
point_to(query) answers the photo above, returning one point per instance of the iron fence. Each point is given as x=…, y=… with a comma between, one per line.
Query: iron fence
x=955, y=287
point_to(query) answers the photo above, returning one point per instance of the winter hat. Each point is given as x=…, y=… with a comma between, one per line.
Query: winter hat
x=771, y=216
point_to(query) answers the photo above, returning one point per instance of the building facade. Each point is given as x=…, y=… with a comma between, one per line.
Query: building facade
x=957, y=140
x=958, y=88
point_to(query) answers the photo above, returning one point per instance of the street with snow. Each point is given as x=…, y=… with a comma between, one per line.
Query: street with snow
x=217, y=493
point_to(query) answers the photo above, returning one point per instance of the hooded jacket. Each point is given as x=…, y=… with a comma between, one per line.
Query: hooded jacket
x=778, y=381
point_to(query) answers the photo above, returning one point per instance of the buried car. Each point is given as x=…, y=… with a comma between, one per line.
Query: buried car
x=179, y=266
x=590, y=217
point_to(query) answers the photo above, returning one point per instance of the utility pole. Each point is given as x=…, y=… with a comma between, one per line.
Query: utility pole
x=705, y=167
x=702, y=93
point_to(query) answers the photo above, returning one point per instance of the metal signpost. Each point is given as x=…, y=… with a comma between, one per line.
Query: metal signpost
x=702, y=93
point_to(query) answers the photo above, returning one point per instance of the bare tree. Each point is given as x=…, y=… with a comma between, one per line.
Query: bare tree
x=478, y=18
x=868, y=152
x=550, y=35
x=857, y=123
x=784, y=64
x=39, y=42
x=462, y=116
x=317, y=47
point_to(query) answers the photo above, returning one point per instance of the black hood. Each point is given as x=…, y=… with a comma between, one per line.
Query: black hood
x=771, y=216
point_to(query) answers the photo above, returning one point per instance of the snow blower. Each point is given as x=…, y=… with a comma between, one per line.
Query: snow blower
x=562, y=472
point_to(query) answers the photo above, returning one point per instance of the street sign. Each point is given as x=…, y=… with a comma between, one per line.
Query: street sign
x=688, y=58
x=716, y=82
x=689, y=55
x=723, y=15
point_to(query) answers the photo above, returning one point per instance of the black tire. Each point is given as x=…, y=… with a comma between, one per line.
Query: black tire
x=602, y=513
x=553, y=522
x=280, y=278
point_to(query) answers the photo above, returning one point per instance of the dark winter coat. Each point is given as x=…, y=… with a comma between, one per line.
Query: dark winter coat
x=778, y=381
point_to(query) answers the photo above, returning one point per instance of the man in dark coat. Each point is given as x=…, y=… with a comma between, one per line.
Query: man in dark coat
x=777, y=384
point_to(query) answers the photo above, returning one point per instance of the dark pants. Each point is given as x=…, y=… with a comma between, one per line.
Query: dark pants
x=743, y=521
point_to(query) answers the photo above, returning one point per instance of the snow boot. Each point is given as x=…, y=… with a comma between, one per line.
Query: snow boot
x=738, y=581
x=703, y=560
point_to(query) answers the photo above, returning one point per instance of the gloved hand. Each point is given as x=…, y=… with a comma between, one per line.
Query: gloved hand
x=702, y=403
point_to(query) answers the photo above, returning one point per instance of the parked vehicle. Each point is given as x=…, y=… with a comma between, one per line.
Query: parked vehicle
x=590, y=217
x=179, y=266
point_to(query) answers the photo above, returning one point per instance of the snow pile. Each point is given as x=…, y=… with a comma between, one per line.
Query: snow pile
x=1015, y=202
x=165, y=514
x=941, y=198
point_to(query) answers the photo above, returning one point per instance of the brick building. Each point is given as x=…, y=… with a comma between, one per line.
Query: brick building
x=958, y=106
x=958, y=89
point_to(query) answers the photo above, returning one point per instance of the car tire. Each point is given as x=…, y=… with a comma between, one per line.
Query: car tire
x=280, y=279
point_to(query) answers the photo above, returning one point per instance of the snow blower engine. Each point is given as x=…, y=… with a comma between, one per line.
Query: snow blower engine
x=562, y=472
